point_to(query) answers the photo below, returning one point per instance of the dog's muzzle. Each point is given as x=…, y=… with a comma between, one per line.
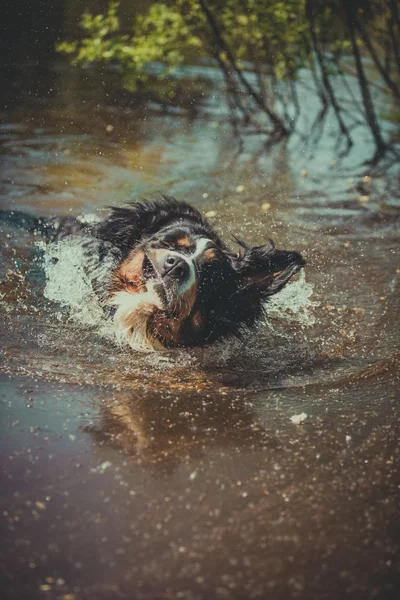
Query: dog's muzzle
x=175, y=268
x=175, y=281
x=168, y=266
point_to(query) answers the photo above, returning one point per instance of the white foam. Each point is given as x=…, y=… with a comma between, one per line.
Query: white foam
x=89, y=218
x=294, y=303
x=68, y=284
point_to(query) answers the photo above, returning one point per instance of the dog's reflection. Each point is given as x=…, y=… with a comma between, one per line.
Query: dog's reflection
x=164, y=430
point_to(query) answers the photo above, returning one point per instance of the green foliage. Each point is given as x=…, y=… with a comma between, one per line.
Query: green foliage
x=173, y=33
x=161, y=35
x=277, y=38
x=268, y=32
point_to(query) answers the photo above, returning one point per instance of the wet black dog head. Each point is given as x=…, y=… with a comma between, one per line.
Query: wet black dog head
x=178, y=284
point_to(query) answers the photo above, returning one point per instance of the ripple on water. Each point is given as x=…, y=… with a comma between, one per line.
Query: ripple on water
x=314, y=333
x=70, y=155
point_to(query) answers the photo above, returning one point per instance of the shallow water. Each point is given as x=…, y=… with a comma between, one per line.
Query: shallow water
x=180, y=473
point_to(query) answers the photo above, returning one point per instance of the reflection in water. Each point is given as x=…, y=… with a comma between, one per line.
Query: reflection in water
x=191, y=493
x=163, y=431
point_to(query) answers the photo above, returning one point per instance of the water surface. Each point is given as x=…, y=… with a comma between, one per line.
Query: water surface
x=180, y=474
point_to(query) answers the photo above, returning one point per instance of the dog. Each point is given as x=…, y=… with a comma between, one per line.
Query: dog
x=165, y=276
x=173, y=281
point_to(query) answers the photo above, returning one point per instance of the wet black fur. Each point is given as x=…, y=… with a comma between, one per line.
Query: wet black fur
x=232, y=290
x=128, y=226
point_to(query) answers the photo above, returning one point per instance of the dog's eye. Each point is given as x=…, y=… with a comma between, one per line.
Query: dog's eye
x=162, y=244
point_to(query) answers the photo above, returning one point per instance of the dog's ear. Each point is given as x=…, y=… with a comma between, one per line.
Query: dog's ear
x=264, y=270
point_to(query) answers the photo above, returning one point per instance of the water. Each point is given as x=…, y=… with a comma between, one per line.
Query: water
x=180, y=473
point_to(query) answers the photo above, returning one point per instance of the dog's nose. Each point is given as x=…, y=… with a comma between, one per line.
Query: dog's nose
x=175, y=268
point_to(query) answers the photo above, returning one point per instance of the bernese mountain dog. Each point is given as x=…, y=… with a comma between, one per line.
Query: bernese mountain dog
x=165, y=276
x=173, y=281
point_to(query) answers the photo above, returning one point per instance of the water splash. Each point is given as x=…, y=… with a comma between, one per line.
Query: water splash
x=68, y=285
x=294, y=303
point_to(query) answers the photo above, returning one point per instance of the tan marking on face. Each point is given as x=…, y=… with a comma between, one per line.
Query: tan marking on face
x=130, y=276
x=209, y=254
x=132, y=285
x=184, y=242
x=166, y=329
x=131, y=268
